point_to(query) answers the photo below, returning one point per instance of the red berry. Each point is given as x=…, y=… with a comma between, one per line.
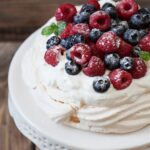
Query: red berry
x=95, y=67
x=139, y=68
x=125, y=49
x=109, y=42
x=53, y=54
x=100, y=20
x=95, y=51
x=127, y=8
x=81, y=53
x=65, y=12
x=95, y=3
x=67, y=32
x=81, y=28
x=145, y=43
x=120, y=79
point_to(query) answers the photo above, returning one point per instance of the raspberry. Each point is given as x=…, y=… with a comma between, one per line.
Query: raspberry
x=125, y=49
x=109, y=42
x=139, y=68
x=80, y=53
x=100, y=20
x=95, y=67
x=65, y=12
x=127, y=8
x=94, y=50
x=67, y=32
x=81, y=28
x=120, y=79
x=53, y=54
x=144, y=43
x=95, y=3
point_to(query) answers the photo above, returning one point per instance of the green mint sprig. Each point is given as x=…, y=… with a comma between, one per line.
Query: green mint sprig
x=56, y=28
x=144, y=55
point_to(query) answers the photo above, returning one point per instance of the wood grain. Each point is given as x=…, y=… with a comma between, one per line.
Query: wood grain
x=10, y=137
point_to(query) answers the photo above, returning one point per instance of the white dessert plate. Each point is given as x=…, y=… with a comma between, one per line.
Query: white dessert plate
x=37, y=126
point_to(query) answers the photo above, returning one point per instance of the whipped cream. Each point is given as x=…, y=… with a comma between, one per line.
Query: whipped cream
x=71, y=100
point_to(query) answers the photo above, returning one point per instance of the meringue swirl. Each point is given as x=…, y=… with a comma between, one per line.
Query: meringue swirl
x=72, y=101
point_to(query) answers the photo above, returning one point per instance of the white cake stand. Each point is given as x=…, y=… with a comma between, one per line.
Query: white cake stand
x=36, y=125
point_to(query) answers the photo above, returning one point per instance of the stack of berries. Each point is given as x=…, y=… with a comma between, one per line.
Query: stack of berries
x=96, y=39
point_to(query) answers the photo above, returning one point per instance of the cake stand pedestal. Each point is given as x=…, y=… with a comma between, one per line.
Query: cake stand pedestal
x=47, y=135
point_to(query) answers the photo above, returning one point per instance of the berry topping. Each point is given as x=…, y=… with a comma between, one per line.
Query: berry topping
x=110, y=9
x=136, y=51
x=72, y=68
x=95, y=34
x=54, y=40
x=126, y=63
x=119, y=30
x=81, y=28
x=65, y=12
x=108, y=42
x=89, y=8
x=95, y=3
x=100, y=20
x=53, y=54
x=81, y=53
x=95, y=67
x=67, y=32
x=127, y=8
x=112, y=61
x=68, y=56
x=125, y=49
x=132, y=36
x=114, y=23
x=125, y=24
x=101, y=84
x=139, y=68
x=146, y=18
x=120, y=79
x=144, y=43
x=82, y=18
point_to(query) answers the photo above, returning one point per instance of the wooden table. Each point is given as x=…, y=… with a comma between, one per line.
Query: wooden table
x=10, y=137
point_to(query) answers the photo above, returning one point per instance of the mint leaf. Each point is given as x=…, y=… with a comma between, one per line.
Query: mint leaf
x=48, y=30
x=57, y=29
x=144, y=55
x=61, y=27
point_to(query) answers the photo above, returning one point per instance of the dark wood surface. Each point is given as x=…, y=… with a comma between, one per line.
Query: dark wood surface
x=10, y=137
x=19, y=18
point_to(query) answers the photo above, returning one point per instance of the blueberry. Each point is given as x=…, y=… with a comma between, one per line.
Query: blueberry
x=54, y=40
x=107, y=5
x=95, y=34
x=136, y=51
x=137, y=21
x=112, y=61
x=146, y=19
x=125, y=24
x=119, y=30
x=144, y=11
x=88, y=8
x=83, y=17
x=72, y=68
x=72, y=40
x=114, y=23
x=126, y=63
x=79, y=38
x=143, y=33
x=111, y=11
x=68, y=55
x=101, y=84
x=132, y=36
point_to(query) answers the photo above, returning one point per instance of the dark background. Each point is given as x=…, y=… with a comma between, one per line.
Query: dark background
x=19, y=18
